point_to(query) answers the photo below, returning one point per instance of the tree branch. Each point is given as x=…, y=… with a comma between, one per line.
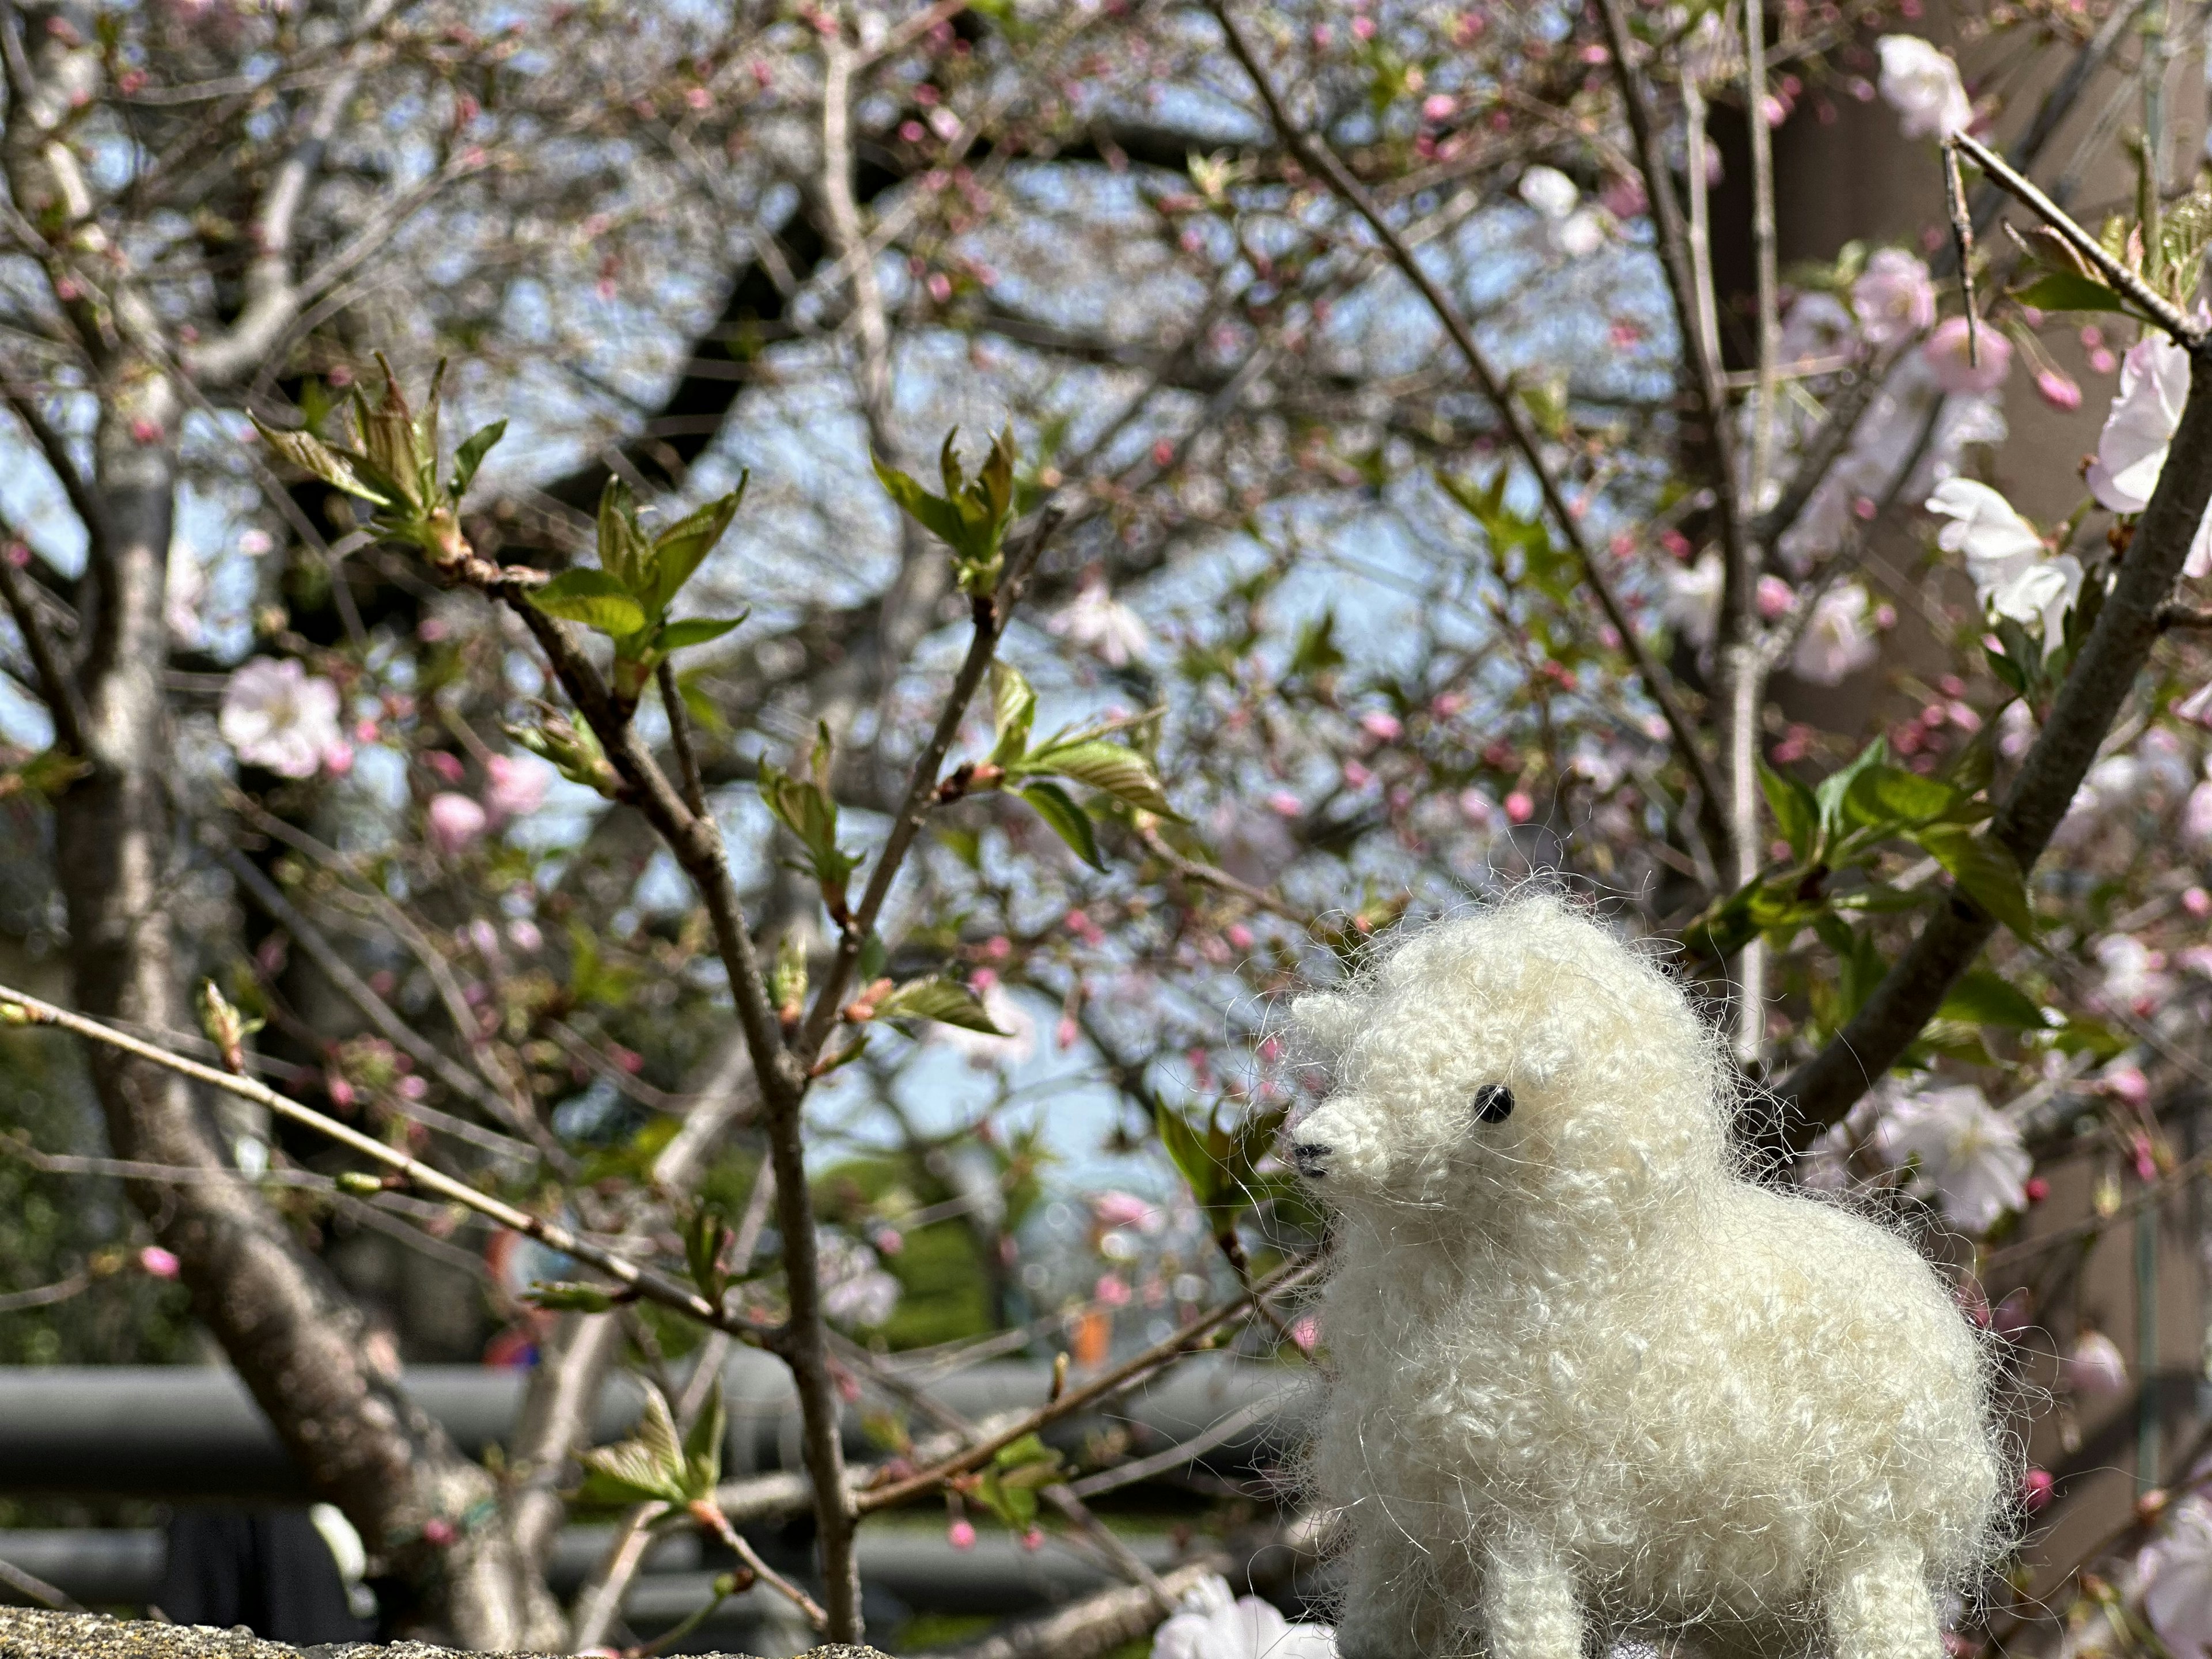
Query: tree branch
x=647, y=1282
x=2117, y=276
x=1316, y=155
x=991, y=616
x=1189, y=1339
x=2104, y=675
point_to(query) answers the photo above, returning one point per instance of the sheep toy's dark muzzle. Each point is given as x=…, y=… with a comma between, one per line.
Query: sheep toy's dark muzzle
x=1308, y=1156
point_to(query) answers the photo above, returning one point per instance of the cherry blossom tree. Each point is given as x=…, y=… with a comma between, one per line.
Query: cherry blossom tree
x=601, y=596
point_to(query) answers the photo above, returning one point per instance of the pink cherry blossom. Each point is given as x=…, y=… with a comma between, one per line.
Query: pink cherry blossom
x=276, y=714
x=1893, y=299
x=517, y=787
x=1967, y=361
x=455, y=821
x=1922, y=84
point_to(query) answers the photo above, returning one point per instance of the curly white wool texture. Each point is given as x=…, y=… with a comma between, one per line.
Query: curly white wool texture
x=1585, y=1380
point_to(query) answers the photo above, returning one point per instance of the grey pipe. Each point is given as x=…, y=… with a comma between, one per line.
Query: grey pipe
x=172, y=1431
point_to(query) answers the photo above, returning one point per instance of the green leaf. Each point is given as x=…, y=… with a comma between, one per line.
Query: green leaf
x=805, y=808
x=1013, y=707
x=932, y=512
x=1188, y=1154
x=1985, y=871
x=1983, y=997
x=678, y=550
x=694, y=630
x=1028, y=1452
x=470, y=456
x=1065, y=819
x=593, y=598
x=625, y=553
x=703, y=1243
x=559, y=1297
x=1796, y=813
x=652, y=1464
x=1832, y=789
x=2062, y=290
x=944, y=1000
x=1121, y=773
x=333, y=466
x=703, y=1447
x=1887, y=797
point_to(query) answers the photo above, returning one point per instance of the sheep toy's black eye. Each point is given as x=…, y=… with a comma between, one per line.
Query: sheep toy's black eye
x=1493, y=1102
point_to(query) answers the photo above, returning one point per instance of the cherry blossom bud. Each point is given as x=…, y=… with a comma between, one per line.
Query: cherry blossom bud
x=438, y=1531
x=2035, y=1189
x=1519, y=809
x=1033, y=1539
x=2057, y=388
x=2095, y=1367
x=158, y=1262
x=455, y=821
x=2035, y=1489
x=961, y=1535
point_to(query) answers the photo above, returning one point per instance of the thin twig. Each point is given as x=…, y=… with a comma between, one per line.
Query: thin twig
x=1192, y=869
x=679, y=735
x=2117, y=276
x=1317, y=156
x=992, y=614
x=56, y=684
x=1962, y=241
x=44, y=1295
x=737, y=1545
x=356, y=990
x=1766, y=279
x=30, y=1584
x=1189, y=1339
x=642, y=1281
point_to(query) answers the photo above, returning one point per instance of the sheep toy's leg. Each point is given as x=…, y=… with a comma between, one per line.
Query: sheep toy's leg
x=1880, y=1608
x=1529, y=1607
x=1390, y=1597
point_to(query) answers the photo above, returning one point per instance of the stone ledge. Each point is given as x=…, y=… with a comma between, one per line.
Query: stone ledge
x=30, y=1633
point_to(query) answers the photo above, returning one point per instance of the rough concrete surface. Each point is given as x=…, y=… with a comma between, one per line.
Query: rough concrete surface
x=27, y=1633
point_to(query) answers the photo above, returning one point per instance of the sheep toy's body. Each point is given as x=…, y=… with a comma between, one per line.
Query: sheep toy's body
x=1582, y=1377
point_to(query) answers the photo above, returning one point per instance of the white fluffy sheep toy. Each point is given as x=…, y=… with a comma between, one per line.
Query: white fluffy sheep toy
x=1586, y=1380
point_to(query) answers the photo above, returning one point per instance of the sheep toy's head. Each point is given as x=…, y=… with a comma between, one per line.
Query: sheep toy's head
x=1519, y=1057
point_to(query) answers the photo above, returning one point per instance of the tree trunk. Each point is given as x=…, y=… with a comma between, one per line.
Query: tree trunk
x=300, y=1345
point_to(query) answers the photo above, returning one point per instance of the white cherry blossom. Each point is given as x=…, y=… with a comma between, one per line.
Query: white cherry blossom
x=2176, y=1573
x=1572, y=228
x=2138, y=432
x=1966, y=1154
x=1692, y=603
x=1101, y=624
x=2095, y=1367
x=1922, y=84
x=1214, y=1624
x=855, y=1288
x=1839, y=638
x=276, y=714
x=2014, y=575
